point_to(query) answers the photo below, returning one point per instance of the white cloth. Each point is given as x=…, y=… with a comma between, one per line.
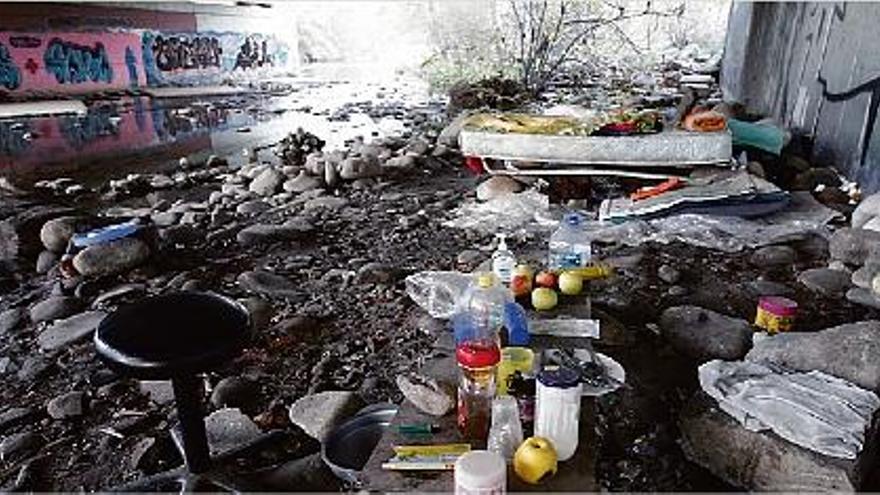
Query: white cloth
x=814, y=410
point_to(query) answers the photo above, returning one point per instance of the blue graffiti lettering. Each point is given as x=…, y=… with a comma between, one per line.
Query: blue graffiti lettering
x=151, y=71
x=99, y=122
x=13, y=138
x=10, y=76
x=71, y=63
x=131, y=64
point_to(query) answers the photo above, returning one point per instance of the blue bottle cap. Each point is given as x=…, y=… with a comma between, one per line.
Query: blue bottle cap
x=573, y=219
x=561, y=377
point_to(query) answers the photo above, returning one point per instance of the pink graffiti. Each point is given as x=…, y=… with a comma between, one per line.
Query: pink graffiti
x=29, y=56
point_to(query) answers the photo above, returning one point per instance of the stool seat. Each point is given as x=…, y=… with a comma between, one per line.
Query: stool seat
x=173, y=335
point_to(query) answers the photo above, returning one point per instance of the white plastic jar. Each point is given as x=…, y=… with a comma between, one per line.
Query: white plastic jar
x=558, y=409
x=480, y=472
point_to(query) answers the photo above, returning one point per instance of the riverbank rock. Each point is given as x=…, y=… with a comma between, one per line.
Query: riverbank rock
x=428, y=395
x=864, y=276
x=229, y=428
x=267, y=183
x=865, y=297
x=111, y=257
x=20, y=445
x=854, y=246
x=826, y=281
x=867, y=210
x=67, y=331
x=319, y=413
x=302, y=183
x=773, y=256
x=267, y=283
x=11, y=319
x=761, y=461
x=703, y=334
x=66, y=406
x=46, y=261
x=850, y=351
x=296, y=229
x=56, y=233
x=54, y=307
x=236, y=392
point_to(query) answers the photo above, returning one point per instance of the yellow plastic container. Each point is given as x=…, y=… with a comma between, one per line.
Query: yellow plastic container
x=513, y=359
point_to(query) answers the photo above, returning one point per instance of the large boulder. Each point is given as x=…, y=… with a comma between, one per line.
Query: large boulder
x=868, y=210
x=111, y=257
x=762, y=461
x=850, y=351
x=703, y=334
x=854, y=246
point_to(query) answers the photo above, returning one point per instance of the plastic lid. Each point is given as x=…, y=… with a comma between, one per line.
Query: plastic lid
x=477, y=354
x=502, y=243
x=572, y=219
x=781, y=306
x=481, y=469
x=559, y=378
x=485, y=280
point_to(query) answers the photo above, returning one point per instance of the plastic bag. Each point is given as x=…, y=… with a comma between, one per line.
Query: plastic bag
x=438, y=292
x=528, y=210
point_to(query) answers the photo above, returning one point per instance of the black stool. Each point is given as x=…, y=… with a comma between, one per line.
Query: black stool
x=176, y=337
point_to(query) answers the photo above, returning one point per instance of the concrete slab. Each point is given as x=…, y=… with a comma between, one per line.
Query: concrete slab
x=196, y=91
x=41, y=108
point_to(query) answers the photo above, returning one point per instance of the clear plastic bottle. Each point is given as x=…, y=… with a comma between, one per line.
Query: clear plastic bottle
x=503, y=261
x=505, y=434
x=484, y=302
x=570, y=244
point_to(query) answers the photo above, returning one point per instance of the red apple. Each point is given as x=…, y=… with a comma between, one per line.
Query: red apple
x=546, y=279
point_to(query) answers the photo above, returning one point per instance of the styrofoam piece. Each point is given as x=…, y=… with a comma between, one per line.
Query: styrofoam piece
x=45, y=107
x=665, y=149
x=194, y=91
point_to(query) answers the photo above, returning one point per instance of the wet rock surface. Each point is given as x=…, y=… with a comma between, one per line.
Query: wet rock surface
x=704, y=334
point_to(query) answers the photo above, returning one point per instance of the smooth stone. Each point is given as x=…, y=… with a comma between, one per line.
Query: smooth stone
x=112, y=257
x=763, y=287
x=773, y=256
x=319, y=413
x=400, y=163
x=427, y=394
x=165, y=218
x=355, y=168
x=703, y=334
x=376, y=273
x=850, y=351
x=228, y=429
x=267, y=183
x=866, y=211
x=864, y=276
x=66, y=406
x=302, y=183
x=20, y=445
x=238, y=392
x=261, y=312
x=56, y=233
x=70, y=330
x=11, y=319
x=497, y=186
x=34, y=367
x=826, y=281
x=327, y=202
x=865, y=297
x=668, y=274
x=16, y=416
x=757, y=461
x=252, y=207
x=54, y=307
x=854, y=246
x=117, y=292
x=296, y=229
x=267, y=283
x=46, y=261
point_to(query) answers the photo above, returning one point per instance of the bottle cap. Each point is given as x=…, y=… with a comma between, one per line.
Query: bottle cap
x=481, y=470
x=477, y=354
x=572, y=219
x=561, y=377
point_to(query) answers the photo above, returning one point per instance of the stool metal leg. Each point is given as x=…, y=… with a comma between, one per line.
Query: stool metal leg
x=188, y=393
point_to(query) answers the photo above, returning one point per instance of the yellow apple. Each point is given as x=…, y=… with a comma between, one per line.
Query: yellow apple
x=535, y=460
x=571, y=283
x=544, y=299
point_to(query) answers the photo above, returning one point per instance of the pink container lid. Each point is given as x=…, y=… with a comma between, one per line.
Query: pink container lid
x=780, y=306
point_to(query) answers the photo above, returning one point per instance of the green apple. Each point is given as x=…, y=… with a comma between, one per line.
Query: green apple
x=571, y=283
x=535, y=460
x=544, y=299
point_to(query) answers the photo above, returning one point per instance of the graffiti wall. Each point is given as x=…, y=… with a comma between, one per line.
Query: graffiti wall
x=118, y=48
x=814, y=67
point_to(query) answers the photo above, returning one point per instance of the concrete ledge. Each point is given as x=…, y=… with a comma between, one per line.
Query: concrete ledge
x=194, y=91
x=39, y=108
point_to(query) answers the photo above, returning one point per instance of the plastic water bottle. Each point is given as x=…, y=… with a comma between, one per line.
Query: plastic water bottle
x=570, y=244
x=483, y=303
x=503, y=261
